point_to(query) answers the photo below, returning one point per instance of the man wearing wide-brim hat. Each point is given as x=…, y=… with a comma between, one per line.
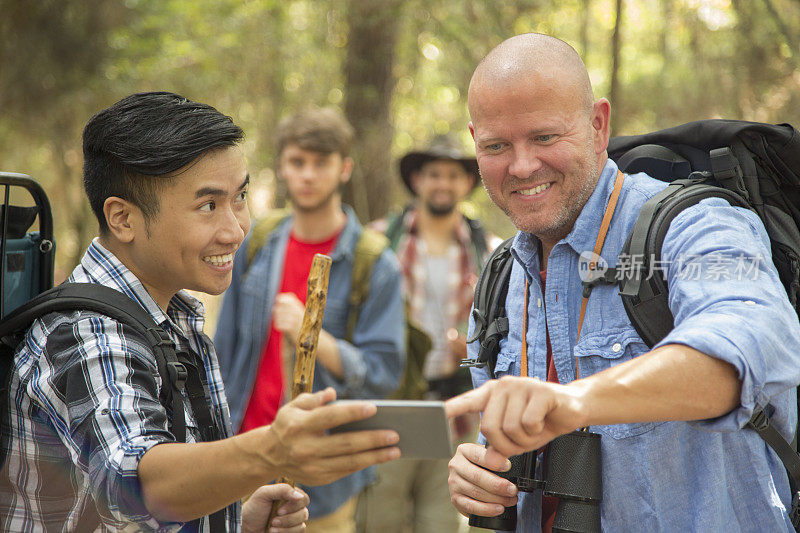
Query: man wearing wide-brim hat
x=441, y=252
x=443, y=148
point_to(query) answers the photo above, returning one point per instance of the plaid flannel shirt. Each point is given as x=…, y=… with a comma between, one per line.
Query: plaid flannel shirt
x=461, y=281
x=85, y=409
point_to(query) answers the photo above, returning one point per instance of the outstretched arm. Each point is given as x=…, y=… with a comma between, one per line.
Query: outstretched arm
x=181, y=482
x=673, y=382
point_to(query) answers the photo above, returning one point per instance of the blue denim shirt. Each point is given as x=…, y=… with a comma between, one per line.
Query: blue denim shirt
x=707, y=475
x=373, y=363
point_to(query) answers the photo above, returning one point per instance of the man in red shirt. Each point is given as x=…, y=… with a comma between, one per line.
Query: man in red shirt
x=361, y=350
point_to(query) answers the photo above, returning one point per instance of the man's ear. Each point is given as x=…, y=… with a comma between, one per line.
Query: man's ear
x=123, y=218
x=601, y=124
x=347, y=169
x=471, y=129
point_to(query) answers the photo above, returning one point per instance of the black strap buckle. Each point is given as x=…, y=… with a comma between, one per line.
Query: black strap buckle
x=177, y=374
x=479, y=327
x=759, y=421
x=727, y=171
x=159, y=337
x=607, y=276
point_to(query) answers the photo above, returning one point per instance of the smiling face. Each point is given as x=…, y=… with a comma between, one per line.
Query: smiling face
x=540, y=153
x=540, y=139
x=202, y=220
x=440, y=184
x=313, y=178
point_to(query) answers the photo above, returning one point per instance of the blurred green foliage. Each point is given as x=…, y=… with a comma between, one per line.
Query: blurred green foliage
x=258, y=60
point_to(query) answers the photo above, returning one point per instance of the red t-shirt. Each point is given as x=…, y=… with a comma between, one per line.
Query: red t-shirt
x=268, y=389
x=549, y=503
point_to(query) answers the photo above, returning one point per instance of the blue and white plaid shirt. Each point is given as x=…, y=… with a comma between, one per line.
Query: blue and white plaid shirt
x=85, y=409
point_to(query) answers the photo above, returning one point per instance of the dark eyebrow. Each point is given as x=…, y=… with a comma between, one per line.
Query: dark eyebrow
x=211, y=191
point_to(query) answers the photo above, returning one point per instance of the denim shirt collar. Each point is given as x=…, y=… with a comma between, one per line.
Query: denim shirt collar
x=583, y=235
x=345, y=244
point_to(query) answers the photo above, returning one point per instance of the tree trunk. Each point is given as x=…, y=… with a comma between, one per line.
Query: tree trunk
x=613, y=92
x=777, y=18
x=666, y=28
x=271, y=77
x=752, y=59
x=584, y=33
x=369, y=83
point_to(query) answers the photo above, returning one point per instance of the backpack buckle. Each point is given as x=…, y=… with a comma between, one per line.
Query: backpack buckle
x=159, y=337
x=607, y=276
x=727, y=171
x=759, y=421
x=479, y=327
x=471, y=363
x=177, y=374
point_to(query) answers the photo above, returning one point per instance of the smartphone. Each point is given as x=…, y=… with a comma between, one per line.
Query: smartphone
x=423, y=427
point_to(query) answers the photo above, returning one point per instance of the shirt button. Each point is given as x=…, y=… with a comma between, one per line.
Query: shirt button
x=750, y=302
x=617, y=347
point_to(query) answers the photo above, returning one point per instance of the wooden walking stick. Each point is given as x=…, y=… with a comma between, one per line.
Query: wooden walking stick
x=306, y=351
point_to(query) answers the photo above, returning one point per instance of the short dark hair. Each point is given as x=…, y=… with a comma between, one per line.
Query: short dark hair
x=319, y=129
x=132, y=148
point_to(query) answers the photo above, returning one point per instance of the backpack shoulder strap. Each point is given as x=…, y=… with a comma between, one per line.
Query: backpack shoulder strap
x=116, y=305
x=645, y=296
x=760, y=423
x=75, y=296
x=489, y=309
x=261, y=230
x=369, y=247
x=395, y=228
x=478, y=238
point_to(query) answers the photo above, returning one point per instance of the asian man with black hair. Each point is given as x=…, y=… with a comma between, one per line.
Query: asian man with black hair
x=90, y=446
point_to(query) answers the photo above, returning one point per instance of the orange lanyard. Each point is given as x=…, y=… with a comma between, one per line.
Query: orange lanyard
x=598, y=247
x=524, y=367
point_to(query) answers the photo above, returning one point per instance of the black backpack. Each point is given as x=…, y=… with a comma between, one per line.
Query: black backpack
x=179, y=370
x=24, y=256
x=751, y=165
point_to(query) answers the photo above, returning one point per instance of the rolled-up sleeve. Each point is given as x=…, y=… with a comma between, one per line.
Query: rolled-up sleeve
x=373, y=363
x=729, y=303
x=102, y=397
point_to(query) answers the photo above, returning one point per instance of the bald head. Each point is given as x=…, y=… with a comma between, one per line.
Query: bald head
x=540, y=138
x=533, y=59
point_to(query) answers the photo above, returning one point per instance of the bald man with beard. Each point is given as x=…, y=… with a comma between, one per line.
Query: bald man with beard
x=675, y=453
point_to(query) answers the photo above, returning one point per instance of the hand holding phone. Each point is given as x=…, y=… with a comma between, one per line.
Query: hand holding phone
x=423, y=427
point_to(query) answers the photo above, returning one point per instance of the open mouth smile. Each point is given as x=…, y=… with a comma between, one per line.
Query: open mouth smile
x=219, y=260
x=535, y=190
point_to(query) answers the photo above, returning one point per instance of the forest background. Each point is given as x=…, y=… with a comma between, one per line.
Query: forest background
x=399, y=69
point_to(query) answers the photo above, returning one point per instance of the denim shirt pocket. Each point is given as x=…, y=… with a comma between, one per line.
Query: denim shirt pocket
x=506, y=364
x=596, y=352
